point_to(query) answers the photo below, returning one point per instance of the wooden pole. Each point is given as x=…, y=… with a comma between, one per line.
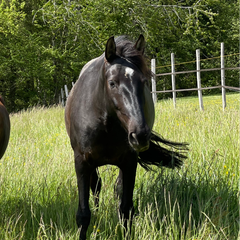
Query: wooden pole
x=173, y=79
x=66, y=91
x=153, y=69
x=62, y=95
x=199, y=79
x=224, y=104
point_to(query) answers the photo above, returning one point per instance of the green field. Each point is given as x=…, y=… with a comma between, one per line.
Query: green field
x=38, y=192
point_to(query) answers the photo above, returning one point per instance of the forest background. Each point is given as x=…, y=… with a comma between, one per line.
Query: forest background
x=44, y=44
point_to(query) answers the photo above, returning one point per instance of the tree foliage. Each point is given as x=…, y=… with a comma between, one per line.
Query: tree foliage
x=44, y=44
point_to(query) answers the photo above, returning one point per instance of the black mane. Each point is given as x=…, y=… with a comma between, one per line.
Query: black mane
x=125, y=49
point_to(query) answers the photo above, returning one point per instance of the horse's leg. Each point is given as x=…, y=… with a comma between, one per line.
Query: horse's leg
x=83, y=171
x=128, y=174
x=95, y=183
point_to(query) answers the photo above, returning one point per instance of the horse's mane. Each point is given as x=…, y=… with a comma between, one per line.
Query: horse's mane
x=125, y=48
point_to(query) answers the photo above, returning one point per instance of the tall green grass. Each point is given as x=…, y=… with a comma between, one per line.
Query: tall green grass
x=38, y=192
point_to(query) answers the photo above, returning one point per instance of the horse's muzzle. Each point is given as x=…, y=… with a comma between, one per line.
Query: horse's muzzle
x=138, y=143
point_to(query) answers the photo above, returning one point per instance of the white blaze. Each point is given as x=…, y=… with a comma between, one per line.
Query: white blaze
x=129, y=72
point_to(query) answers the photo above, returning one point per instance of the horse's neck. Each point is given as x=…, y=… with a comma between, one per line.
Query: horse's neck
x=88, y=65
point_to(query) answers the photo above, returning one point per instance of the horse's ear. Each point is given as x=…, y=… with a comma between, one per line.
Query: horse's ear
x=140, y=44
x=110, y=51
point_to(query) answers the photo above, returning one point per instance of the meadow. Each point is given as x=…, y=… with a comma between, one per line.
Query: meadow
x=38, y=191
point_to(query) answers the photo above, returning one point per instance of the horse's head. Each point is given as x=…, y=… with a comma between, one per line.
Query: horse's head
x=126, y=86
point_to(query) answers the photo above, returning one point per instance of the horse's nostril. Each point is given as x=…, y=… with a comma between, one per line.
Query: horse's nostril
x=137, y=143
x=133, y=139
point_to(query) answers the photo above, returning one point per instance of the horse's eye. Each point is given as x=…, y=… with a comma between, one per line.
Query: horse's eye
x=111, y=84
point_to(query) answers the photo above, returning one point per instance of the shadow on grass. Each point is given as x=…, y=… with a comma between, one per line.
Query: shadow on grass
x=32, y=217
x=190, y=205
x=51, y=214
x=193, y=205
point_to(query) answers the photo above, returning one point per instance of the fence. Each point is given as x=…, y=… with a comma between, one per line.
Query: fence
x=198, y=77
x=173, y=74
x=61, y=96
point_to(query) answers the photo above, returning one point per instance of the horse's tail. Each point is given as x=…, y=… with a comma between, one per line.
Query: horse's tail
x=159, y=156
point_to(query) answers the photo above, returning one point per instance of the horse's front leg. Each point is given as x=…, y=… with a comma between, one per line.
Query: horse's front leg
x=83, y=171
x=127, y=176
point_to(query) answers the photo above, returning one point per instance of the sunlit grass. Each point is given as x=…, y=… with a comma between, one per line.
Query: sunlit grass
x=38, y=194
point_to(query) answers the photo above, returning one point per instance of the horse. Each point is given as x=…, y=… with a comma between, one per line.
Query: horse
x=109, y=116
x=4, y=127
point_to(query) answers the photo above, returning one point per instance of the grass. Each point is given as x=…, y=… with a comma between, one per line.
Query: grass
x=38, y=193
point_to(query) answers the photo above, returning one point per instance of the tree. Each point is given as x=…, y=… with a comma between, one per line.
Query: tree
x=44, y=44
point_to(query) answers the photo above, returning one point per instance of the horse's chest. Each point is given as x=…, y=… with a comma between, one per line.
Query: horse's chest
x=111, y=142
x=107, y=148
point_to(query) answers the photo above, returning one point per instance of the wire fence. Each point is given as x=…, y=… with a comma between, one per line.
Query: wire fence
x=198, y=70
x=65, y=92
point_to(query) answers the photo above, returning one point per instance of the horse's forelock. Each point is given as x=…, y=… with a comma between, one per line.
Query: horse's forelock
x=125, y=48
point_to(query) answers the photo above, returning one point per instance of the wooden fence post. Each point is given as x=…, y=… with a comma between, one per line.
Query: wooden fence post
x=199, y=79
x=153, y=69
x=223, y=77
x=66, y=91
x=173, y=79
x=62, y=95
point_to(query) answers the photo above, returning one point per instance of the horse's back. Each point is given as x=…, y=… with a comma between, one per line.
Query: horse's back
x=4, y=129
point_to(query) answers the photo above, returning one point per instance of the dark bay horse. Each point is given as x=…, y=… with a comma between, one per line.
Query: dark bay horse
x=109, y=118
x=4, y=127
